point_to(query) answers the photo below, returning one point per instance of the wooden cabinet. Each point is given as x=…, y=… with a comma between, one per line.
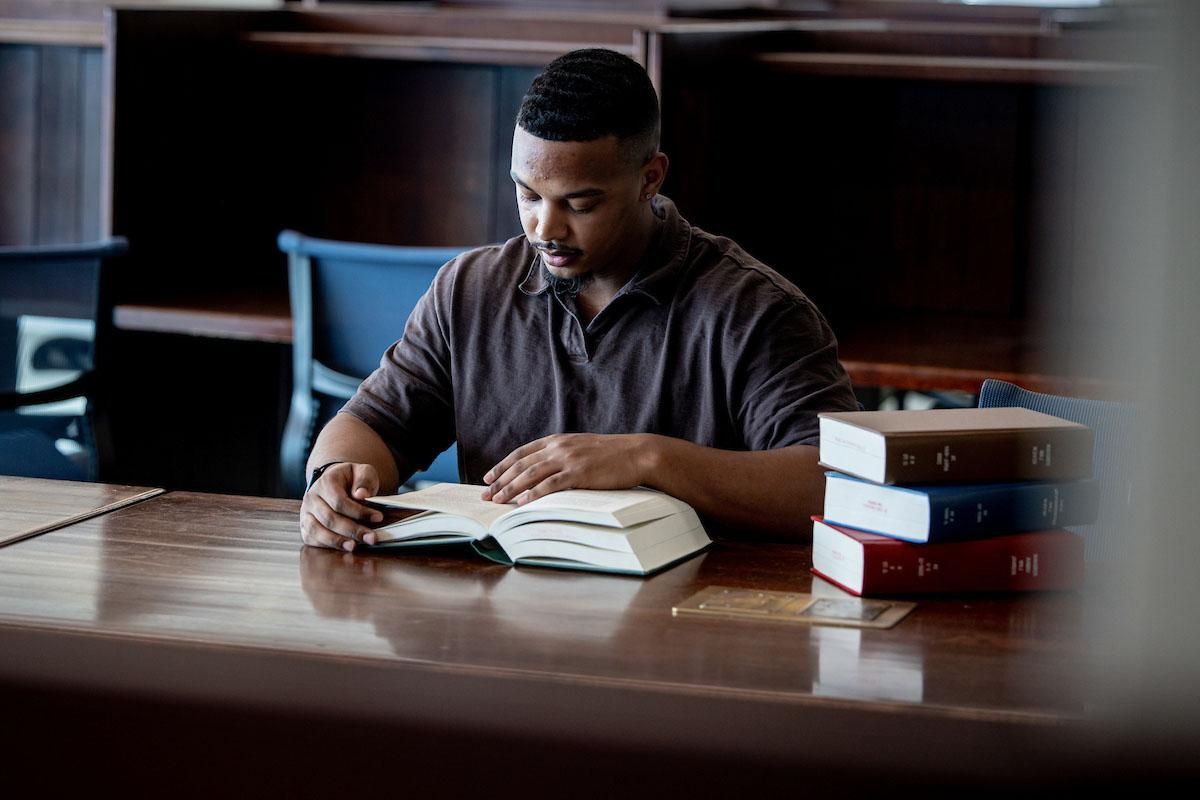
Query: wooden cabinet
x=922, y=175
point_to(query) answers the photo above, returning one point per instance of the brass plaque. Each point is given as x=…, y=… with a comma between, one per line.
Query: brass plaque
x=848, y=611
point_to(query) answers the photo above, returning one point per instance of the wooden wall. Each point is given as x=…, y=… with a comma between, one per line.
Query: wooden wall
x=913, y=190
x=50, y=143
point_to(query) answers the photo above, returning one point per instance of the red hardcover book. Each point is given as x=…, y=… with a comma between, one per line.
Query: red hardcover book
x=868, y=564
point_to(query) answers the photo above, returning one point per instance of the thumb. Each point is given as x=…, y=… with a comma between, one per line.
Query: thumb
x=365, y=482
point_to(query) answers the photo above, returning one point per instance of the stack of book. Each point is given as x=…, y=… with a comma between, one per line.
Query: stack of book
x=972, y=499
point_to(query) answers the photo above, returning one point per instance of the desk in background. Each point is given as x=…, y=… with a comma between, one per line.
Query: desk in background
x=191, y=641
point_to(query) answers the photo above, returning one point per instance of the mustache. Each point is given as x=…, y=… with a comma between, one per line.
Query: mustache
x=556, y=249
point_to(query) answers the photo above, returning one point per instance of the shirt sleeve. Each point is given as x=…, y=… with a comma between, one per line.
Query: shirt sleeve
x=787, y=372
x=408, y=400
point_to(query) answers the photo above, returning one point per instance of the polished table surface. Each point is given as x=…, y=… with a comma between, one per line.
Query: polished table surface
x=212, y=599
x=31, y=506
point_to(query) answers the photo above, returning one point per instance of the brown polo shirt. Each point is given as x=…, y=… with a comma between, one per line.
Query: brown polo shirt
x=704, y=343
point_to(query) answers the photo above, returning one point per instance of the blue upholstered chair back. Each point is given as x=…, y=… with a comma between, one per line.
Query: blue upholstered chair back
x=349, y=304
x=50, y=321
x=1113, y=429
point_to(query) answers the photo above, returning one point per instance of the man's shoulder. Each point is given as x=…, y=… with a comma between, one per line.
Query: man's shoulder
x=721, y=266
x=492, y=260
x=481, y=271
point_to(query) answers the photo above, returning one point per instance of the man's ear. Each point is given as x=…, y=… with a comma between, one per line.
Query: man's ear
x=654, y=172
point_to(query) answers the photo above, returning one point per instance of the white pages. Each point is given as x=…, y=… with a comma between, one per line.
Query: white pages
x=628, y=530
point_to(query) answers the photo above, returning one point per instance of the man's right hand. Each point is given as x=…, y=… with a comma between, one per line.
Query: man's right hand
x=331, y=516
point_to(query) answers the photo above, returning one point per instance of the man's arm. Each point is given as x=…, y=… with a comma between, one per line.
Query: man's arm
x=769, y=491
x=330, y=515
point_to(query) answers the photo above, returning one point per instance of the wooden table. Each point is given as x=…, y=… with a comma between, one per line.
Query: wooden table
x=32, y=506
x=190, y=643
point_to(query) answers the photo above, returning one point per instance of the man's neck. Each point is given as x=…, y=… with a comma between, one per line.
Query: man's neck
x=603, y=288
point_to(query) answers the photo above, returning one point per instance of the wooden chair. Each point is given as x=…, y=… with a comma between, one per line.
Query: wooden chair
x=1114, y=431
x=54, y=322
x=349, y=304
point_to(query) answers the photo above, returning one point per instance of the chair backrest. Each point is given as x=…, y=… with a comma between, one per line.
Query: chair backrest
x=349, y=304
x=51, y=332
x=1113, y=430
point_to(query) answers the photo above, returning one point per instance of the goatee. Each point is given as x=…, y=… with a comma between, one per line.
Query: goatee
x=566, y=287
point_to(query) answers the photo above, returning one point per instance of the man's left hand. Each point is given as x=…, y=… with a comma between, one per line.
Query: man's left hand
x=570, y=461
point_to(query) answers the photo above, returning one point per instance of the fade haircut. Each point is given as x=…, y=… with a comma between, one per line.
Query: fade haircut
x=592, y=93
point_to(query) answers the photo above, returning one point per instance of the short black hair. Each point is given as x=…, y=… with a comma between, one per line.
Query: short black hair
x=592, y=93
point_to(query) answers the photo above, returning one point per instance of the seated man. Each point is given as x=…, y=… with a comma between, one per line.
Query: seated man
x=613, y=345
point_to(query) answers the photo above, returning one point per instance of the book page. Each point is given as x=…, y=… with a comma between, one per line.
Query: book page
x=450, y=498
x=606, y=500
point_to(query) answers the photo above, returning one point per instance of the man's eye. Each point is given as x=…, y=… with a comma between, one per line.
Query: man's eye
x=529, y=198
x=584, y=210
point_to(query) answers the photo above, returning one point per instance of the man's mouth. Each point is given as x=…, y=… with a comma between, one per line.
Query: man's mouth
x=561, y=260
x=559, y=257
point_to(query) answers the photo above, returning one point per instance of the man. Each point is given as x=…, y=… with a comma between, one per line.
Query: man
x=613, y=345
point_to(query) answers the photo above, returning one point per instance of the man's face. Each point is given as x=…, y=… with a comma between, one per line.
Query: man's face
x=578, y=203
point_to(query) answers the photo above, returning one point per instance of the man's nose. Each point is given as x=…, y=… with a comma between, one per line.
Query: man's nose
x=551, y=224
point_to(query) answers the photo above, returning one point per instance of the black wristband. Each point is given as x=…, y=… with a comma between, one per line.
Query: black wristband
x=318, y=472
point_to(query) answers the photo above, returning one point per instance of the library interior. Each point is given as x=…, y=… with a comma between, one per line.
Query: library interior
x=842, y=427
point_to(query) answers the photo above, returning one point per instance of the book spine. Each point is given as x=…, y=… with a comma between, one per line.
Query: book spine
x=994, y=456
x=1016, y=507
x=1041, y=560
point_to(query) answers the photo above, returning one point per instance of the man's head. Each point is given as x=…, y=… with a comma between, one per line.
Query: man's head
x=586, y=163
x=590, y=94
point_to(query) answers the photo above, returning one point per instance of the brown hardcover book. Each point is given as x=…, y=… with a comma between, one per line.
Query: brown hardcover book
x=959, y=444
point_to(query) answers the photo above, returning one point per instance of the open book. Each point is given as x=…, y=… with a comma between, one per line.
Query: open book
x=635, y=531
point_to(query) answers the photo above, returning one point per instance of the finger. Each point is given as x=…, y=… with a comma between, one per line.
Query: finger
x=507, y=462
x=365, y=481
x=315, y=534
x=497, y=490
x=352, y=478
x=555, y=483
x=525, y=479
x=348, y=508
x=339, y=524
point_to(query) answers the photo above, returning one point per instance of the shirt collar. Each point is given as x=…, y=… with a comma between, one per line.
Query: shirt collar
x=661, y=267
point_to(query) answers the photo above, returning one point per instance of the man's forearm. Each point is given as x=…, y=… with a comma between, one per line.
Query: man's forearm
x=348, y=438
x=773, y=491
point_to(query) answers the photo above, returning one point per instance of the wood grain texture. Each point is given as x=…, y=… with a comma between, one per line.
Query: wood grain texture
x=230, y=572
x=453, y=49
x=19, y=78
x=950, y=351
x=31, y=506
x=52, y=32
x=959, y=68
x=59, y=159
x=263, y=316
x=211, y=600
x=50, y=153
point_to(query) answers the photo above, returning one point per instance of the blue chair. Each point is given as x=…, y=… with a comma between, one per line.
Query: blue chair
x=349, y=304
x=54, y=318
x=1114, y=430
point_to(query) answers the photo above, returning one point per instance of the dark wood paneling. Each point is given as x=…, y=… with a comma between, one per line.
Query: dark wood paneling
x=399, y=152
x=50, y=153
x=952, y=152
x=91, y=151
x=18, y=142
x=870, y=194
x=60, y=127
x=512, y=85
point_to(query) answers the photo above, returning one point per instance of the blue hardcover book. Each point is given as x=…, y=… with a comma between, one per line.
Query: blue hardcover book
x=953, y=512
